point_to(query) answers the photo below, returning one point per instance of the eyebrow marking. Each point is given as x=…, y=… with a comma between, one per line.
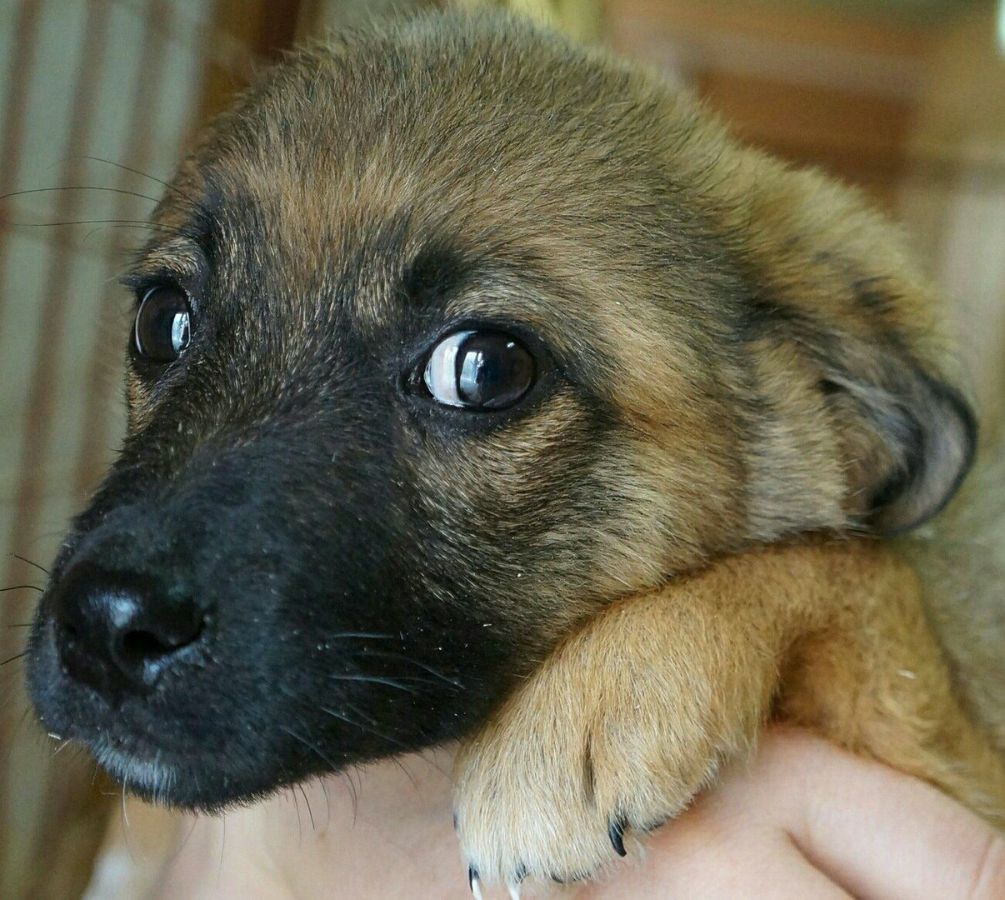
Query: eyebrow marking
x=181, y=259
x=437, y=271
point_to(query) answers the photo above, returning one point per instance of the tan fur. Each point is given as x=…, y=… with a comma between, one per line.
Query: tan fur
x=632, y=716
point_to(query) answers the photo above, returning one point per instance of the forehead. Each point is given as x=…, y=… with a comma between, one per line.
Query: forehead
x=476, y=171
x=447, y=127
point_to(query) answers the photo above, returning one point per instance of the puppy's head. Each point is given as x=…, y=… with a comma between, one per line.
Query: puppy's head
x=450, y=334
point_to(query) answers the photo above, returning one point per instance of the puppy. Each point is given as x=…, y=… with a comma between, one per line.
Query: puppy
x=459, y=353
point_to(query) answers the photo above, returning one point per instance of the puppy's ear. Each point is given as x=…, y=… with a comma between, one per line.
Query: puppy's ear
x=833, y=291
x=907, y=439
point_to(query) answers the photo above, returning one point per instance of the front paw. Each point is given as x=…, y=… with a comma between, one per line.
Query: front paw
x=588, y=755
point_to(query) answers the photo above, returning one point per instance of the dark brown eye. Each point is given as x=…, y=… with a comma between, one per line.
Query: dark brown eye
x=163, y=324
x=480, y=370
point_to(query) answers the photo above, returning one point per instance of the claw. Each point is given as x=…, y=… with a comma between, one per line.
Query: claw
x=474, y=883
x=616, y=832
x=514, y=886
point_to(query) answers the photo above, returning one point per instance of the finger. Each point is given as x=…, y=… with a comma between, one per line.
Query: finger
x=877, y=832
x=707, y=859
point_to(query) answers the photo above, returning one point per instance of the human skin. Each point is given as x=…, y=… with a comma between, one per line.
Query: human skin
x=803, y=819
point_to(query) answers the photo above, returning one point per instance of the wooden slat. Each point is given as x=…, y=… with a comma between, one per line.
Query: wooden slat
x=138, y=155
x=26, y=27
x=808, y=83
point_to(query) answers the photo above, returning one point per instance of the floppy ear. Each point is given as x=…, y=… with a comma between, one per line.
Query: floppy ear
x=831, y=282
x=908, y=438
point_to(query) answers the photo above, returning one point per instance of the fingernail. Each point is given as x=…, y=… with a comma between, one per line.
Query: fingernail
x=474, y=883
x=616, y=832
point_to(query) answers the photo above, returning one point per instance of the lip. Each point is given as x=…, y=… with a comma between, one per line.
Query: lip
x=182, y=781
x=172, y=779
x=148, y=777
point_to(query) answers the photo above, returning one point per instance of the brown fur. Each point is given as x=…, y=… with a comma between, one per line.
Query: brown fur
x=727, y=439
x=634, y=714
x=747, y=355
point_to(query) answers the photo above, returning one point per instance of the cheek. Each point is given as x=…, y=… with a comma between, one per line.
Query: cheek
x=664, y=511
x=511, y=515
x=510, y=482
x=681, y=456
x=569, y=509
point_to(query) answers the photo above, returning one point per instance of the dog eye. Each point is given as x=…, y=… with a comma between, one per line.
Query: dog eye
x=481, y=370
x=163, y=324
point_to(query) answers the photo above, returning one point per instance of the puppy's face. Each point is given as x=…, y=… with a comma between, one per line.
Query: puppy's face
x=449, y=335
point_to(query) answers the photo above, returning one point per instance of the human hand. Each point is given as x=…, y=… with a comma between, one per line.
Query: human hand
x=806, y=819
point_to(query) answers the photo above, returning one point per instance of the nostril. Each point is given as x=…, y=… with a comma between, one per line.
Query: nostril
x=139, y=646
x=152, y=640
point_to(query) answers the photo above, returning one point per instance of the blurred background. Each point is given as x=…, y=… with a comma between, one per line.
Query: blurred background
x=905, y=98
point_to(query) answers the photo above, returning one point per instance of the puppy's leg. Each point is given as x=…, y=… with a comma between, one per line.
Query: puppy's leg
x=633, y=715
x=874, y=679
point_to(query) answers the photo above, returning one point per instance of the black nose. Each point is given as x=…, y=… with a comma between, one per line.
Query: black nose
x=117, y=634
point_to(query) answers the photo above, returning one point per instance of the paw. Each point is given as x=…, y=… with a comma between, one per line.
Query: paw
x=578, y=764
